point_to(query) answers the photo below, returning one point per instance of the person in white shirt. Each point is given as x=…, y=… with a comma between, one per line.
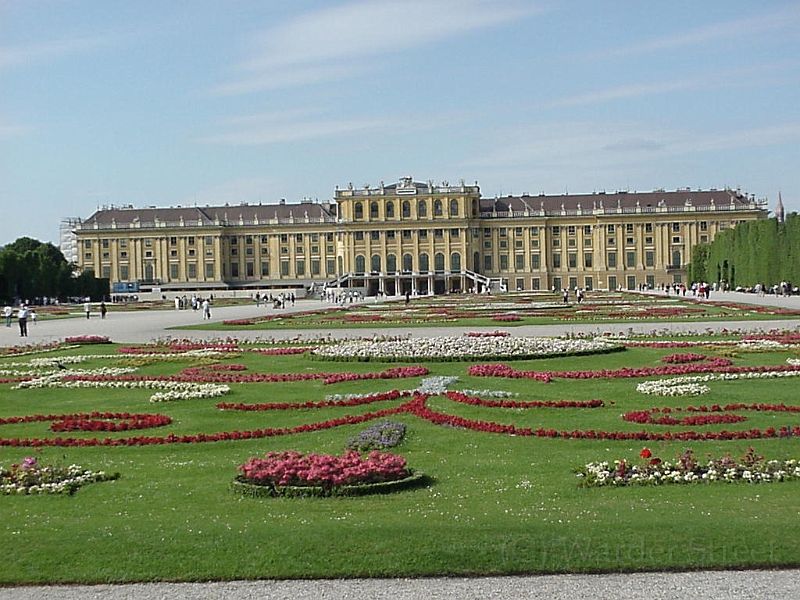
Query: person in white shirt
x=22, y=317
x=7, y=312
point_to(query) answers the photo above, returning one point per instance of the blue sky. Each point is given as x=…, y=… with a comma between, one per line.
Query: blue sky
x=207, y=102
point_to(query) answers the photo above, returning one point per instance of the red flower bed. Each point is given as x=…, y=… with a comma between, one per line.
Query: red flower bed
x=645, y=417
x=686, y=357
x=465, y=399
x=94, y=421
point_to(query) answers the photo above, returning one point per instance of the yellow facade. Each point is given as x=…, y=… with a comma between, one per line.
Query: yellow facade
x=413, y=237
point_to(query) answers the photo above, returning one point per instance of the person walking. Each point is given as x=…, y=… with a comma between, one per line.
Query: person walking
x=87, y=308
x=7, y=313
x=103, y=310
x=206, y=309
x=22, y=317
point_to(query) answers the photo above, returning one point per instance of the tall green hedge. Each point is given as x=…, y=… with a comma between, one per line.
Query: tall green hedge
x=763, y=251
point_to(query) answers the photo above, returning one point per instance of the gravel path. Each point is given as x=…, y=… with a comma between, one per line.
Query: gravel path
x=722, y=585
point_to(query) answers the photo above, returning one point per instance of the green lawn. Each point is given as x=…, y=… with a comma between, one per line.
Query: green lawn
x=497, y=504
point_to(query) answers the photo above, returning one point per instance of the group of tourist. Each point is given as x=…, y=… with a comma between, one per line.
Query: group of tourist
x=24, y=312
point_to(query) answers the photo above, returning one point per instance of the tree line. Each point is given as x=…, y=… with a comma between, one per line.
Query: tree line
x=31, y=271
x=765, y=251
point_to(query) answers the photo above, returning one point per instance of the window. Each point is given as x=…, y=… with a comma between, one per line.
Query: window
x=328, y=237
x=424, y=264
x=408, y=264
x=248, y=239
x=104, y=243
x=630, y=259
x=487, y=262
x=676, y=239
x=234, y=269
x=284, y=238
x=612, y=282
x=454, y=233
x=520, y=284
x=375, y=235
x=106, y=272
x=248, y=251
x=284, y=268
x=265, y=268
x=358, y=211
x=264, y=239
x=390, y=210
x=406, y=209
x=330, y=266
x=703, y=225
x=391, y=263
x=192, y=252
x=209, y=270
x=587, y=230
x=572, y=242
x=375, y=263
x=107, y=255
x=315, y=267
x=250, y=269
x=455, y=261
x=556, y=243
x=503, y=232
x=556, y=261
x=361, y=264
x=519, y=262
x=536, y=284
x=234, y=240
x=504, y=243
x=612, y=241
x=703, y=239
x=359, y=236
x=422, y=209
x=438, y=233
x=648, y=228
x=676, y=227
x=629, y=228
x=556, y=229
x=284, y=249
x=518, y=244
x=437, y=208
x=209, y=240
x=676, y=259
x=453, y=208
x=234, y=252
x=373, y=210
x=172, y=254
x=300, y=267
x=438, y=262
x=649, y=258
x=536, y=261
x=487, y=232
x=610, y=229
x=423, y=234
x=148, y=242
x=612, y=260
x=571, y=230
x=534, y=231
x=504, y=262
x=648, y=240
x=406, y=234
x=629, y=241
x=124, y=243
x=314, y=249
x=123, y=272
x=587, y=242
x=298, y=238
x=572, y=260
x=588, y=282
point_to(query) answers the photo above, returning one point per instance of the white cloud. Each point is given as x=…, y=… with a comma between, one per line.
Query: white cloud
x=328, y=44
x=9, y=130
x=738, y=30
x=54, y=49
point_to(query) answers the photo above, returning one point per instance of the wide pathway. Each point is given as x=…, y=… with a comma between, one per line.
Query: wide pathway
x=152, y=325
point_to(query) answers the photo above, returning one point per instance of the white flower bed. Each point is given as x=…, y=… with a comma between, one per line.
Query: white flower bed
x=456, y=348
x=691, y=385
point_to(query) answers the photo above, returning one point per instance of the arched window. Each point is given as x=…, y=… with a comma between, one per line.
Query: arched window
x=361, y=263
x=438, y=262
x=424, y=263
x=375, y=263
x=437, y=208
x=390, y=210
x=676, y=258
x=408, y=262
x=453, y=208
x=406, y=209
x=391, y=263
x=422, y=209
x=373, y=210
x=455, y=261
x=358, y=211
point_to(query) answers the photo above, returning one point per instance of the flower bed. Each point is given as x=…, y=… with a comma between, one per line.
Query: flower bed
x=30, y=477
x=651, y=470
x=88, y=339
x=293, y=474
x=451, y=348
x=378, y=436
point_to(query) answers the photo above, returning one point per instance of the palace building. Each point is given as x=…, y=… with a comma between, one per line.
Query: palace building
x=412, y=237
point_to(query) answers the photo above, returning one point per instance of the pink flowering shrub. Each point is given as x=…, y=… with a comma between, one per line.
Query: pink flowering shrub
x=291, y=469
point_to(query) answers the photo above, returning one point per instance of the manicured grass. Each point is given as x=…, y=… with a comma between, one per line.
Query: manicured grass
x=498, y=504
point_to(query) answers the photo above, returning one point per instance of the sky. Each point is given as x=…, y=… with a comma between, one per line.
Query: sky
x=175, y=103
